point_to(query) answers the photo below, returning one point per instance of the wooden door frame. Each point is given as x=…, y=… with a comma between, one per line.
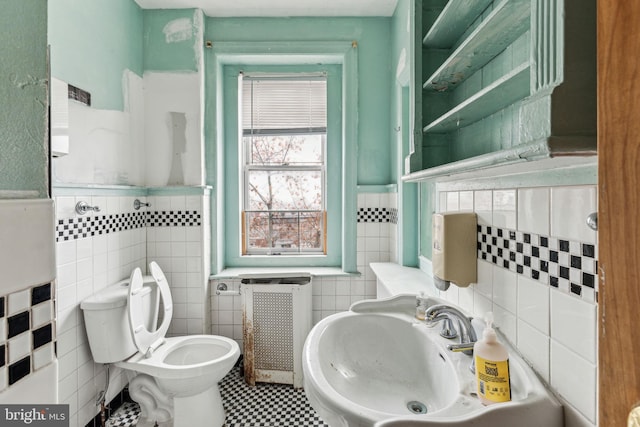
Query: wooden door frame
x=618, y=207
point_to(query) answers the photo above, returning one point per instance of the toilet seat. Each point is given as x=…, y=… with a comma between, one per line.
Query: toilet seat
x=145, y=340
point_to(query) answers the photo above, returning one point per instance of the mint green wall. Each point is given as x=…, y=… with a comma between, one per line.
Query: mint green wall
x=374, y=73
x=92, y=43
x=401, y=110
x=23, y=95
x=172, y=39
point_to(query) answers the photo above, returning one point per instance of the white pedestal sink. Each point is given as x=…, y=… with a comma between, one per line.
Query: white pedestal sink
x=376, y=365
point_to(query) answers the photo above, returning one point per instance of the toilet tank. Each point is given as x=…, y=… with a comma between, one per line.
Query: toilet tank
x=106, y=320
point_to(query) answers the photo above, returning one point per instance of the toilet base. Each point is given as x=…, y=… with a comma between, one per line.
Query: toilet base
x=201, y=410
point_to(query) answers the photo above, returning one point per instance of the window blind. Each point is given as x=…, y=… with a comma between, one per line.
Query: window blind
x=284, y=105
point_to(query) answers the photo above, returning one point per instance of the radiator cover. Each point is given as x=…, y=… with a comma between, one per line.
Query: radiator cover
x=276, y=321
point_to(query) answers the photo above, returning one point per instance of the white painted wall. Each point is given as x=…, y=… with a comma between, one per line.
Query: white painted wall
x=105, y=146
x=165, y=93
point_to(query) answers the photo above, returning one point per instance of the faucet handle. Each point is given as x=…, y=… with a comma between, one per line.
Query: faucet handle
x=448, y=330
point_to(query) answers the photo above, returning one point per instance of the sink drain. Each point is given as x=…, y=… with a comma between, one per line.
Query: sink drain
x=417, y=407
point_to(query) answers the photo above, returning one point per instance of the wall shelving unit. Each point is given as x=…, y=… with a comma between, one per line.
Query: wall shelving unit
x=502, y=81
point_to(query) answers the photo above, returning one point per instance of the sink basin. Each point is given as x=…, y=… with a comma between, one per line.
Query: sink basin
x=376, y=365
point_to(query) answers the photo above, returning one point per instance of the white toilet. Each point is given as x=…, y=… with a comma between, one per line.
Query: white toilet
x=176, y=378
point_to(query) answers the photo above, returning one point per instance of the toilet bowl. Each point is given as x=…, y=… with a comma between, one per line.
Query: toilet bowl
x=176, y=378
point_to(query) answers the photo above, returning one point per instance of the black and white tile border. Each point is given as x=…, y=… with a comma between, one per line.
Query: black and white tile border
x=173, y=219
x=27, y=333
x=376, y=215
x=567, y=265
x=89, y=226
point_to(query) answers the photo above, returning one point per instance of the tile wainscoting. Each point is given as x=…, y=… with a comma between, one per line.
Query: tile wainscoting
x=537, y=271
x=99, y=249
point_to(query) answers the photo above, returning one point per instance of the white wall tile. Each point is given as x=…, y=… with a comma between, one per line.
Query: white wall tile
x=465, y=298
x=574, y=378
x=65, y=207
x=19, y=347
x=504, y=208
x=179, y=311
x=452, y=294
x=343, y=302
x=18, y=302
x=485, y=279
x=570, y=207
x=162, y=203
x=453, y=201
x=84, y=249
x=534, y=346
x=442, y=202
x=481, y=305
x=68, y=386
x=41, y=314
x=67, y=364
x=573, y=323
x=3, y=329
x=483, y=206
x=505, y=321
x=533, y=303
x=466, y=201
x=43, y=356
x=112, y=207
x=505, y=289
x=533, y=210
x=66, y=252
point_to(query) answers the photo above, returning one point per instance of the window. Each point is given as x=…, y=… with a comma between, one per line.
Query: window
x=225, y=152
x=284, y=150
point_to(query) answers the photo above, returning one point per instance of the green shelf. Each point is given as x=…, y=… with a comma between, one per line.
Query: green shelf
x=452, y=22
x=508, y=20
x=510, y=88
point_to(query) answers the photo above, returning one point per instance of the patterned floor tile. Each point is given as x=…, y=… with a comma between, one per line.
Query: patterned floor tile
x=265, y=405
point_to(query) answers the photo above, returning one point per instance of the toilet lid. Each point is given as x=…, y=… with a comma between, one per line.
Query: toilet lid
x=147, y=341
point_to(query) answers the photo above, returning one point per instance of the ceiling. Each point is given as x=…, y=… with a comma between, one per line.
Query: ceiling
x=273, y=8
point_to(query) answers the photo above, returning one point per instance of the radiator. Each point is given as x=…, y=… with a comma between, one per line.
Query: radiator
x=276, y=320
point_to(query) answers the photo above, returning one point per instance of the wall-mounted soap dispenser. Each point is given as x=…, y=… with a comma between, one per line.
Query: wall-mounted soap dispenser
x=455, y=258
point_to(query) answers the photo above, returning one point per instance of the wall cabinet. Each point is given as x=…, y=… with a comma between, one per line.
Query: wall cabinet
x=502, y=81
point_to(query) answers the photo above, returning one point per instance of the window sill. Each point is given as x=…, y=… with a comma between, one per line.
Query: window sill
x=235, y=272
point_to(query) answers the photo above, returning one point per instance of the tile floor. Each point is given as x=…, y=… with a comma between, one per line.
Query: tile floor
x=265, y=405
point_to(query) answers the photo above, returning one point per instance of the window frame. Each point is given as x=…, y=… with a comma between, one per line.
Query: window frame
x=341, y=54
x=245, y=145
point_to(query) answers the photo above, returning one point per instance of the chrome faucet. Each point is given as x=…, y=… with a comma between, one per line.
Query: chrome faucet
x=448, y=314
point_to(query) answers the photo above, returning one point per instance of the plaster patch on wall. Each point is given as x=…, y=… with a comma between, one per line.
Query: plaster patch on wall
x=166, y=93
x=177, y=128
x=178, y=30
